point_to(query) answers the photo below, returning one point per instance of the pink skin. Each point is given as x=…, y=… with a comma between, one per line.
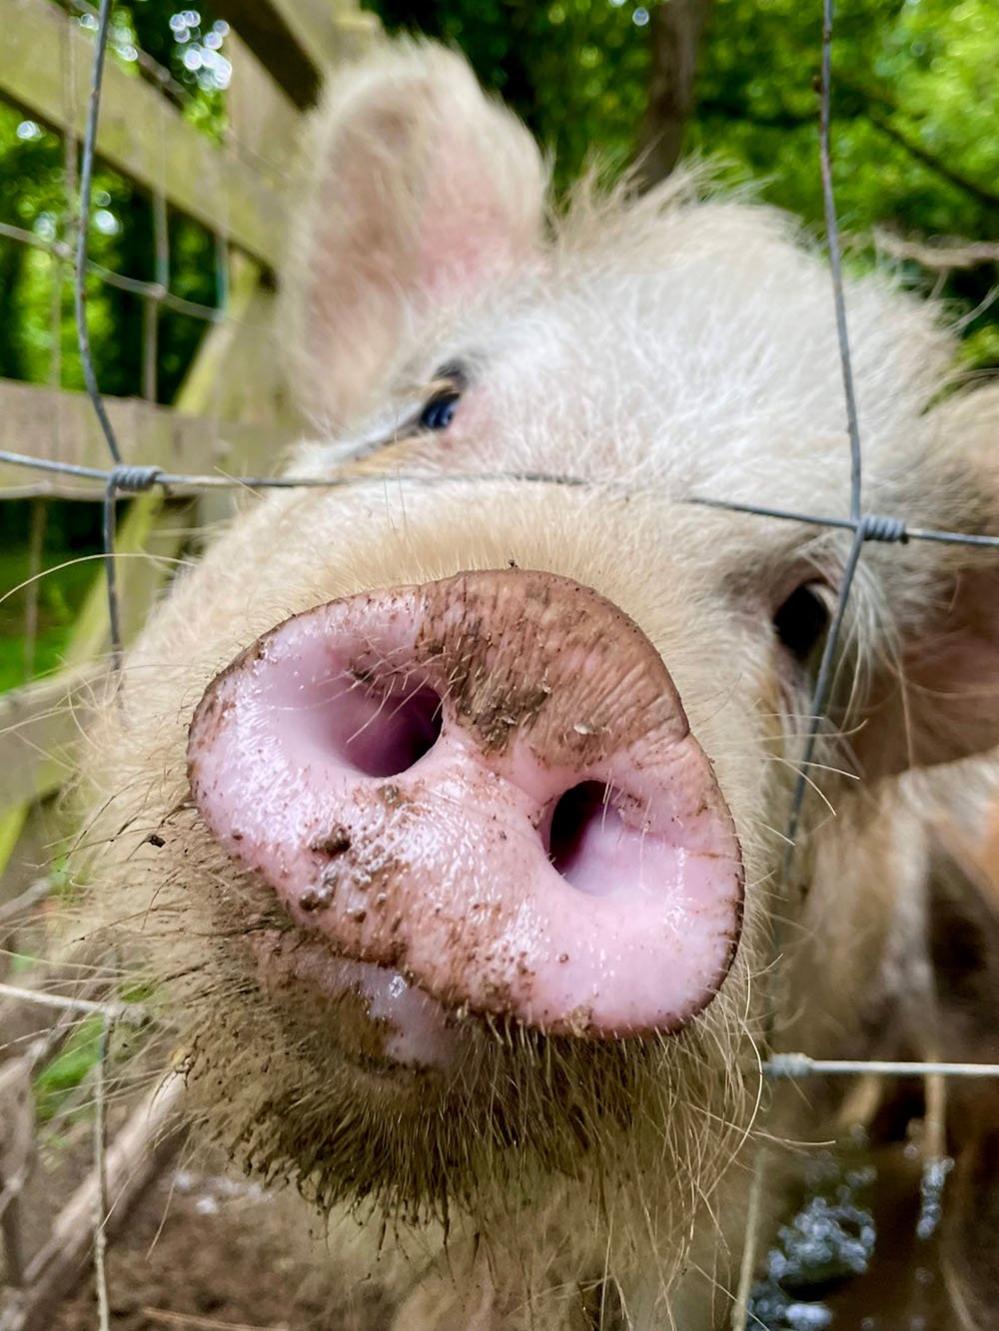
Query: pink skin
x=409, y=812
x=416, y=1031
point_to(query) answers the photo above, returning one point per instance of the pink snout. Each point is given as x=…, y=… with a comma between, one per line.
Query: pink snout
x=486, y=785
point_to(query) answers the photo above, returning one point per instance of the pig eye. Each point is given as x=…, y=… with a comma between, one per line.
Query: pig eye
x=801, y=622
x=438, y=413
x=448, y=384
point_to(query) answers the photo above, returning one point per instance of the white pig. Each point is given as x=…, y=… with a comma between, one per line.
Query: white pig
x=445, y=807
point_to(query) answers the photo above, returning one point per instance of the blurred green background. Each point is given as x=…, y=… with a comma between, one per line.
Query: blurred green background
x=916, y=144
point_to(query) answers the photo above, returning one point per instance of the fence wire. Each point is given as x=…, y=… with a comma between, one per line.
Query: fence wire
x=120, y=478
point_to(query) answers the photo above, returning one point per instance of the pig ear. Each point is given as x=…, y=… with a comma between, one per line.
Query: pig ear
x=419, y=192
x=938, y=701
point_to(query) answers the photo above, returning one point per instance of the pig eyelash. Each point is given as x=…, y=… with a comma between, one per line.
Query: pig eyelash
x=434, y=413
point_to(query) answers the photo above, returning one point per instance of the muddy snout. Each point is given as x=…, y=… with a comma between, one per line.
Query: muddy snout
x=487, y=787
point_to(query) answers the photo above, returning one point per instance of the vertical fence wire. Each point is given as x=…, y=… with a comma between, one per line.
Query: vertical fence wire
x=865, y=527
x=100, y=1171
x=161, y=271
x=36, y=542
x=83, y=224
x=820, y=695
x=222, y=275
x=862, y=530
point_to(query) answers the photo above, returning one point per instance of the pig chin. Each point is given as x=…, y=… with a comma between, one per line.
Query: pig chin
x=479, y=795
x=372, y=1014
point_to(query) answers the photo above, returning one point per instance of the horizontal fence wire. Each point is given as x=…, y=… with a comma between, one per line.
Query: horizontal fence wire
x=794, y=1067
x=136, y=286
x=871, y=527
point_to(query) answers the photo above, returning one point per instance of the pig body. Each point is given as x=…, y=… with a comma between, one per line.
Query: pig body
x=355, y=933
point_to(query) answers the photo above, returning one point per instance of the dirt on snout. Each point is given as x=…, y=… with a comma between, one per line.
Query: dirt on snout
x=207, y=1253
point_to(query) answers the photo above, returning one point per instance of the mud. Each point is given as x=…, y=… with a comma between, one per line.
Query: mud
x=853, y=1257
x=206, y=1251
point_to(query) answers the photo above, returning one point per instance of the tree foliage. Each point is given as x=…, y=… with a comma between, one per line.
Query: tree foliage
x=916, y=121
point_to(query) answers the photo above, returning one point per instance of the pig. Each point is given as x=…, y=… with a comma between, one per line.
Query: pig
x=443, y=803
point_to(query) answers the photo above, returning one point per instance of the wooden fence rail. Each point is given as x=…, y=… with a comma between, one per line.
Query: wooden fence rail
x=44, y=66
x=60, y=425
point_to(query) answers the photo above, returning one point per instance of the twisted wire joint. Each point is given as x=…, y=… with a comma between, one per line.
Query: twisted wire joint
x=879, y=527
x=126, y=479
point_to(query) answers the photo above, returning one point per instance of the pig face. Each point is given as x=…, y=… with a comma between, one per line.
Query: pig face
x=446, y=803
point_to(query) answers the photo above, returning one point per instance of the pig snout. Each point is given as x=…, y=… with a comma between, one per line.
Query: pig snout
x=487, y=786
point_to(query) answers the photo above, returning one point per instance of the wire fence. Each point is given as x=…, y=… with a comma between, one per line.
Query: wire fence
x=121, y=479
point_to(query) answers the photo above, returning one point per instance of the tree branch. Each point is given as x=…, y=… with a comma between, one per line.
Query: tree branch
x=932, y=163
x=868, y=103
x=939, y=256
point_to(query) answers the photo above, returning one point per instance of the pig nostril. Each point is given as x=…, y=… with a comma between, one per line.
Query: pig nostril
x=583, y=820
x=382, y=733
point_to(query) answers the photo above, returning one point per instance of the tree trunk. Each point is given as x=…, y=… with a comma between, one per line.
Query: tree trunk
x=675, y=32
